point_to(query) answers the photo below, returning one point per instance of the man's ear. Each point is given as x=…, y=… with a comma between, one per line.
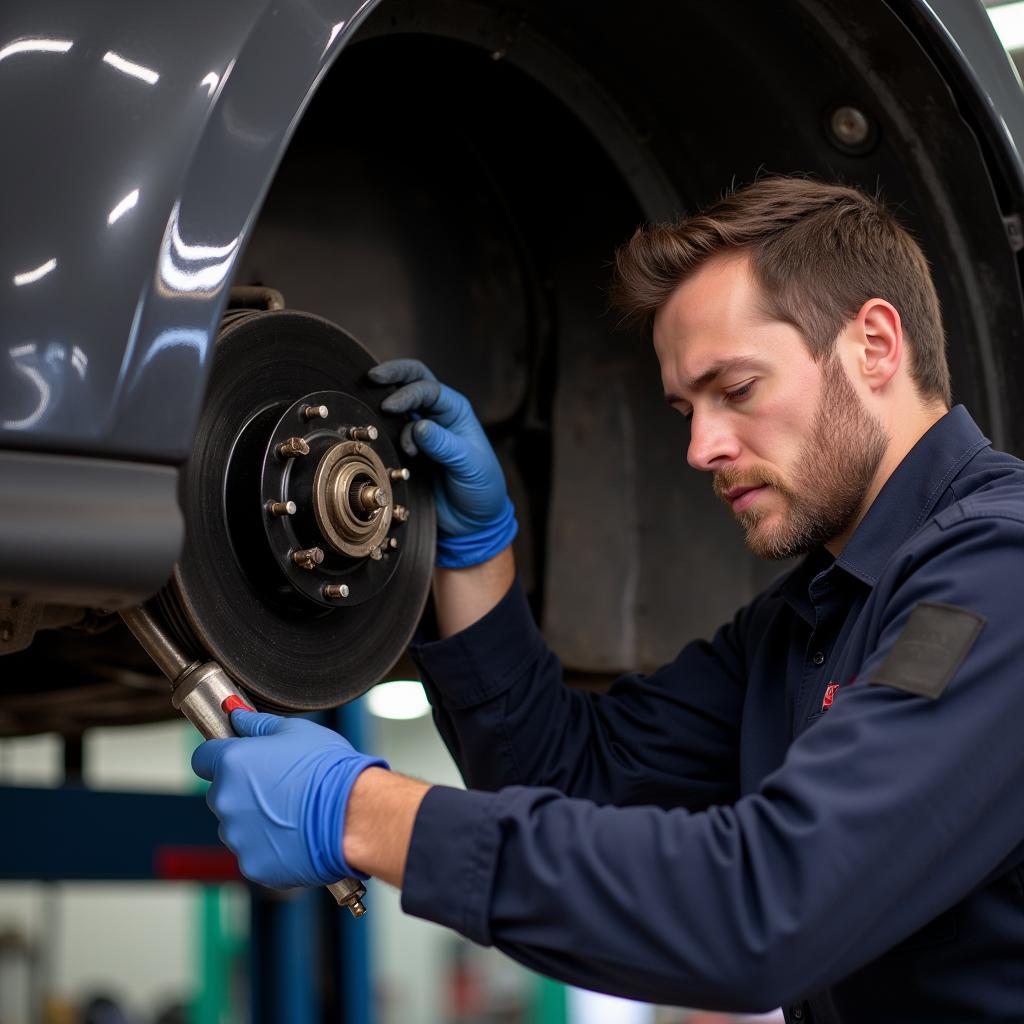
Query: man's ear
x=877, y=337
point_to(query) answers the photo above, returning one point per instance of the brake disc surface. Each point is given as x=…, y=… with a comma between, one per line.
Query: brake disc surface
x=309, y=540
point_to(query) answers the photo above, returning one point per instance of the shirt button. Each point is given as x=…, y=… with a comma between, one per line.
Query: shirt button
x=819, y=658
x=797, y=1013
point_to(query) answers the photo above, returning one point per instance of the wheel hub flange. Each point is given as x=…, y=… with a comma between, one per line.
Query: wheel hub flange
x=329, y=487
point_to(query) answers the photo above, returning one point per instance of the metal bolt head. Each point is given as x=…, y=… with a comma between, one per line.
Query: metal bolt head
x=850, y=126
x=372, y=497
x=376, y=554
x=282, y=508
x=400, y=513
x=315, y=412
x=392, y=543
x=308, y=558
x=363, y=433
x=399, y=474
x=292, y=448
x=335, y=590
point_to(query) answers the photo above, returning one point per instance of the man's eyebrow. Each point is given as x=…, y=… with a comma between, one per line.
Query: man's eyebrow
x=713, y=372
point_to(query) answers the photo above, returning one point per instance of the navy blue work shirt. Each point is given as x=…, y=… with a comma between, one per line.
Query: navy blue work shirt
x=821, y=808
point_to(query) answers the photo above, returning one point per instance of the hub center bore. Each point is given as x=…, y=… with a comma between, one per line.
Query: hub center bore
x=352, y=498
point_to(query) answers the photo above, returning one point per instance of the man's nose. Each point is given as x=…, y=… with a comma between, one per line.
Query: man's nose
x=712, y=444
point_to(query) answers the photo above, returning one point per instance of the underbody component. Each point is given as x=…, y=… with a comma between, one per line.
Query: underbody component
x=19, y=621
x=298, y=576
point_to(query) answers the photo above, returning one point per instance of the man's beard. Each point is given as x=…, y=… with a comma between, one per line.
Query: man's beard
x=833, y=472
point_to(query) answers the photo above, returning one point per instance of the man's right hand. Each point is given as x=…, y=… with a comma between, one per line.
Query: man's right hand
x=475, y=518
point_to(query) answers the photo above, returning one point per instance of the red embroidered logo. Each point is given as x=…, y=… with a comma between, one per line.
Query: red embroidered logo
x=830, y=693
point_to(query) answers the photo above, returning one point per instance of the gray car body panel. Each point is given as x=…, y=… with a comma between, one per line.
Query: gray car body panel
x=145, y=138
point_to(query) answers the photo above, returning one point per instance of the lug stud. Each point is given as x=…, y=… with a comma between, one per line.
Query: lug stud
x=335, y=590
x=308, y=558
x=400, y=513
x=315, y=412
x=362, y=433
x=376, y=554
x=292, y=448
x=391, y=543
x=399, y=474
x=282, y=508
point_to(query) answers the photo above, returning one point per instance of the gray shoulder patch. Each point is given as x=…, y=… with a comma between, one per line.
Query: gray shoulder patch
x=932, y=646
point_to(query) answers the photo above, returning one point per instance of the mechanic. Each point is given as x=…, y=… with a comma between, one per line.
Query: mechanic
x=822, y=806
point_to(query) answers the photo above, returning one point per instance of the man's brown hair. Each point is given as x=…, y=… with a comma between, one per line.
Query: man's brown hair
x=818, y=252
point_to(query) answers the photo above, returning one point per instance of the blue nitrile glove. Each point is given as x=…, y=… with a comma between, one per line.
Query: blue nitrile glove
x=281, y=794
x=475, y=517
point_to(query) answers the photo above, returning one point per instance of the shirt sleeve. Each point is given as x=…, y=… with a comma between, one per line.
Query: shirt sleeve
x=888, y=811
x=502, y=708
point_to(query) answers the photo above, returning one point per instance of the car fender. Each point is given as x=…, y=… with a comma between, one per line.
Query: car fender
x=146, y=137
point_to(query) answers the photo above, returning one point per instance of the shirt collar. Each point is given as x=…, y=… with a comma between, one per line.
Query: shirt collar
x=911, y=493
x=902, y=506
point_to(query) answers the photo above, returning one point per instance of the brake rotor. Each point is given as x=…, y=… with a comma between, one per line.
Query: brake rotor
x=309, y=540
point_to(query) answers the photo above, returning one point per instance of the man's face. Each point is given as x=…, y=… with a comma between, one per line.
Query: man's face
x=791, y=446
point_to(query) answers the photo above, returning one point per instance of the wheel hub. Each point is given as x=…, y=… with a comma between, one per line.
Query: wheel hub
x=352, y=499
x=328, y=499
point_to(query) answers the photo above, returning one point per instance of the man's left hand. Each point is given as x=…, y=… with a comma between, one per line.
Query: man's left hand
x=280, y=791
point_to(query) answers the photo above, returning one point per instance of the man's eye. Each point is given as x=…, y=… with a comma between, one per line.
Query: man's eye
x=741, y=392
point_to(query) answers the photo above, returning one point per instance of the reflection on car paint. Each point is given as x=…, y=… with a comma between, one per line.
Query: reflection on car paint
x=182, y=269
x=31, y=276
x=26, y=363
x=128, y=67
x=46, y=371
x=128, y=203
x=178, y=337
x=36, y=46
